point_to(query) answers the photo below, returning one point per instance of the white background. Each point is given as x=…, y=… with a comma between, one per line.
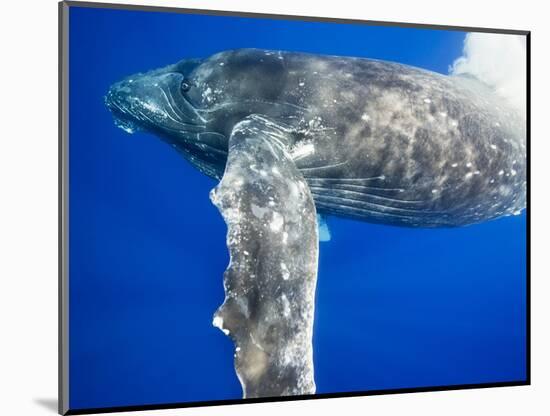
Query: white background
x=28, y=206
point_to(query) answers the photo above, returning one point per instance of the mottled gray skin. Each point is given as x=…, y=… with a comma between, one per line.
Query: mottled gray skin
x=294, y=134
x=273, y=245
x=392, y=143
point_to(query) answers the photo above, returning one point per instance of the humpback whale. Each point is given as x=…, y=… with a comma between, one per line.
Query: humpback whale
x=290, y=136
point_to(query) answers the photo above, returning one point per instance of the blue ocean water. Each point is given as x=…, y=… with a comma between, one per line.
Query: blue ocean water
x=395, y=307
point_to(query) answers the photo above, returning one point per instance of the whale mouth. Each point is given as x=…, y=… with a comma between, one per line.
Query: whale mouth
x=126, y=125
x=153, y=101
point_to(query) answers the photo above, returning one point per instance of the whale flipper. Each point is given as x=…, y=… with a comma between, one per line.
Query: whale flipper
x=273, y=245
x=324, y=231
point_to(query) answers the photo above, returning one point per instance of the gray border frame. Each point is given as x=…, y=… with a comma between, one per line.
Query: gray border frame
x=63, y=203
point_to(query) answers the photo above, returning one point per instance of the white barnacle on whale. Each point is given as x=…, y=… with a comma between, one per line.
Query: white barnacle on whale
x=218, y=323
x=286, y=305
x=294, y=191
x=207, y=94
x=277, y=222
x=284, y=271
x=285, y=237
x=155, y=109
x=301, y=150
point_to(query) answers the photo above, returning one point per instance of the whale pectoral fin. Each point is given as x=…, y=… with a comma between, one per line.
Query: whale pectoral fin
x=273, y=245
x=324, y=231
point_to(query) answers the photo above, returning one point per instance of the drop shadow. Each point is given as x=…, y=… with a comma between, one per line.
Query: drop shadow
x=48, y=404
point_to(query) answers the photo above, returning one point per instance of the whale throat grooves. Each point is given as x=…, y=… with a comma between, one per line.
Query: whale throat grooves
x=270, y=282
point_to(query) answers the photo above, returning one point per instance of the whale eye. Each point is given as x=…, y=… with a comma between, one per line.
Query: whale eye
x=185, y=85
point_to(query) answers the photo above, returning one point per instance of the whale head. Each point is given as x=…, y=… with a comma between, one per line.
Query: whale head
x=156, y=100
x=161, y=102
x=194, y=104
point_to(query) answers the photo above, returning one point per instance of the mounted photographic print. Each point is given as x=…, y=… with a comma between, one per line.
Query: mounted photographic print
x=263, y=207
